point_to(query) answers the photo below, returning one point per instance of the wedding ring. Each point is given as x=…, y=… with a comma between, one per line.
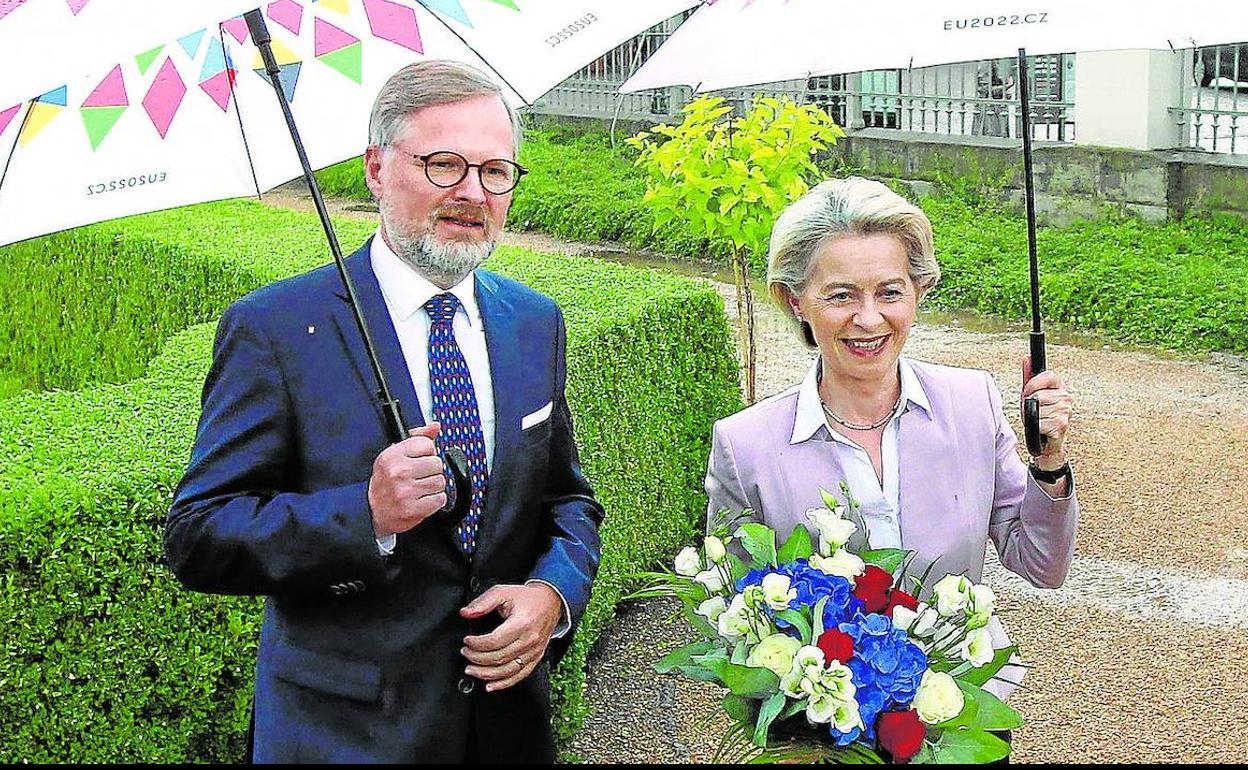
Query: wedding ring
x=520, y=662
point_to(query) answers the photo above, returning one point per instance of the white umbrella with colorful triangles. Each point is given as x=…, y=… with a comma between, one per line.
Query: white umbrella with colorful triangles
x=195, y=119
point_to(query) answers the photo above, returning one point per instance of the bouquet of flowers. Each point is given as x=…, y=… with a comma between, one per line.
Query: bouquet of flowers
x=813, y=641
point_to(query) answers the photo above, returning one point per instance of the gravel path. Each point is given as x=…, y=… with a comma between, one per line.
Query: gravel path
x=1138, y=658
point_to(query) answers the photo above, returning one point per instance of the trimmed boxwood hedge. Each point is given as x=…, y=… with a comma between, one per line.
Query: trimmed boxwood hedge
x=107, y=659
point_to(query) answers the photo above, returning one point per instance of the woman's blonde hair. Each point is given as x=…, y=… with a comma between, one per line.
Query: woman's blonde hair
x=836, y=207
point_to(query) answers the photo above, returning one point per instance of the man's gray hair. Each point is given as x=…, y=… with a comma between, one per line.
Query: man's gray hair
x=836, y=207
x=430, y=83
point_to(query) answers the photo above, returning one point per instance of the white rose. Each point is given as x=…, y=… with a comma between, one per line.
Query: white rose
x=775, y=652
x=711, y=578
x=712, y=608
x=953, y=594
x=938, y=699
x=977, y=648
x=834, y=531
x=715, y=550
x=688, y=563
x=776, y=591
x=807, y=665
x=842, y=563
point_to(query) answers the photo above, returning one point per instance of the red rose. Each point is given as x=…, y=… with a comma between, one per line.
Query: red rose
x=872, y=587
x=897, y=598
x=901, y=734
x=836, y=645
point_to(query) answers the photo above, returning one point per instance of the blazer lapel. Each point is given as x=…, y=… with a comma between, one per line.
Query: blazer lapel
x=385, y=339
x=502, y=343
x=927, y=466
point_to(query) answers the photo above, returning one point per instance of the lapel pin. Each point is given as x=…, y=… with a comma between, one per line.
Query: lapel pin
x=311, y=330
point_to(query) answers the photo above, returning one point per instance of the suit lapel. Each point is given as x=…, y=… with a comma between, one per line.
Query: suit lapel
x=502, y=343
x=385, y=339
x=927, y=465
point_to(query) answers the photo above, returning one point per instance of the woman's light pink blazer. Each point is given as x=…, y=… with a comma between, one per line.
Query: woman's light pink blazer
x=960, y=477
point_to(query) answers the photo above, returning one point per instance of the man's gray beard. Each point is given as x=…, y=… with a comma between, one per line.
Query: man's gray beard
x=444, y=263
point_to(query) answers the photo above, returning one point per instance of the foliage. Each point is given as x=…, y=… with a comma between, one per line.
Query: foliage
x=106, y=658
x=1179, y=284
x=730, y=179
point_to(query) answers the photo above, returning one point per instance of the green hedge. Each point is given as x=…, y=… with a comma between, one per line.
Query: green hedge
x=1179, y=284
x=106, y=658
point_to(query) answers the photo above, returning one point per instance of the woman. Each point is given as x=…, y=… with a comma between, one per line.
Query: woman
x=925, y=448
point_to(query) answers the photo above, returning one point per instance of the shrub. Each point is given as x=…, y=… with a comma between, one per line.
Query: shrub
x=108, y=659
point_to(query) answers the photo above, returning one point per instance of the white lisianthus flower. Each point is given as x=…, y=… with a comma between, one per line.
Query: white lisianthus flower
x=807, y=665
x=983, y=603
x=953, y=594
x=838, y=681
x=834, y=531
x=938, y=698
x=711, y=578
x=712, y=608
x=688, y=562
x=846, y=716
x=903, y=617
x=920, y=623
x=734, y=622
x=775, y=653
x=777, y=592
x=821, y=708
x=714, y=548
x=842, y=563
x=977, y=648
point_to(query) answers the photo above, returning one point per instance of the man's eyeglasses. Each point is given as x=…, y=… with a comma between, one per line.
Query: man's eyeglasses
x=447, y=169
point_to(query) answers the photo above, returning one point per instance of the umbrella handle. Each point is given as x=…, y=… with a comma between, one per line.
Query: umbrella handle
x=457, y=506
x=1036, y=440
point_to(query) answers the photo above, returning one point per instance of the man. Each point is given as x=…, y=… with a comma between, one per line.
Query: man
x=392, y=631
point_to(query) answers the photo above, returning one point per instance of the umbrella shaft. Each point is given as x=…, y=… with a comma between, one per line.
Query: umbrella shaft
x=1029, y=187
x=390, y=405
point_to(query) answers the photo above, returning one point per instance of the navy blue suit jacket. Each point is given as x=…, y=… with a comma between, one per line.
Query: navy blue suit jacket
x=359, y=654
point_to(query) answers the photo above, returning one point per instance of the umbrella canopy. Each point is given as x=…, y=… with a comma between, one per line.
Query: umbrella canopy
x=729, y=43
x=44, y=43
x=196, y=120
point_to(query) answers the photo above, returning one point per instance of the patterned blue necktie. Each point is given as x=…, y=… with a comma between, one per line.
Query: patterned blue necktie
x=455, y=407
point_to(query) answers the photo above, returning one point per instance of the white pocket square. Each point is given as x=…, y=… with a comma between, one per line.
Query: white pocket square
x=541, y=415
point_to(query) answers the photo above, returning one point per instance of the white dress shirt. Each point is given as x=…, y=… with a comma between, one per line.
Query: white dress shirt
x=880, y=507
x=405, y=292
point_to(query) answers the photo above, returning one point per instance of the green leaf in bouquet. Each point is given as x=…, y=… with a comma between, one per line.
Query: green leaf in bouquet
x=887, y=559
x=926, y=755
x=767, y=714
x=981, y=675
x=700, y=673
x=737, y=568
x=794, y=708
x=970, y=747
x=741, y=709
x=747, y=681
x=740, y=653
x=684, y=656
x=759, y=541
x=817, y=616
x=799, y=622
x=991, y=712
x=798, y=546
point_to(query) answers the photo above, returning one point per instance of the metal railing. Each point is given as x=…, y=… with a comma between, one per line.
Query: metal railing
x=970, y=99
x=1213, y=98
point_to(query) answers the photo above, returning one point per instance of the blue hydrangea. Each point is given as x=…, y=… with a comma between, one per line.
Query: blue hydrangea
x=887, y=667
x=811, y=585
